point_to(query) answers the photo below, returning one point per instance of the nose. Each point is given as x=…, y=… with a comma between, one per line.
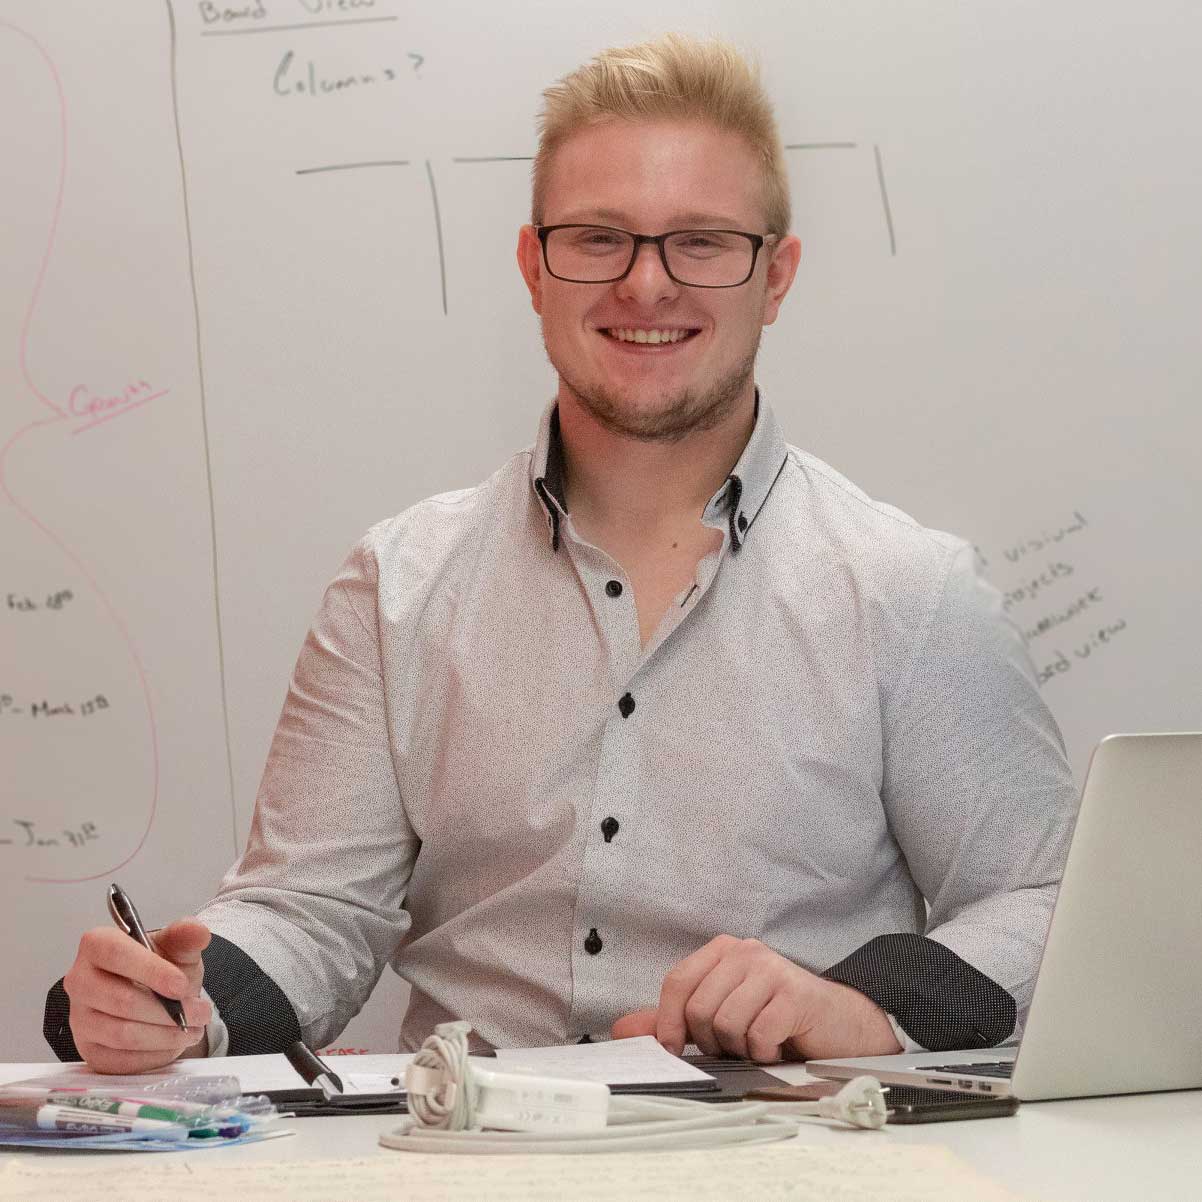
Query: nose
x=647, y=282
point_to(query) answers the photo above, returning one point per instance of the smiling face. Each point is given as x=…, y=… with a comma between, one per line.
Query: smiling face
x=647, y=357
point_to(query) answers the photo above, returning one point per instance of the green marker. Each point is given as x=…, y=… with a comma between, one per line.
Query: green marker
x=102, y=1104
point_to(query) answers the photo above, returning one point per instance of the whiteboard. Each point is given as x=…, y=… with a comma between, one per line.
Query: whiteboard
x=259, y=292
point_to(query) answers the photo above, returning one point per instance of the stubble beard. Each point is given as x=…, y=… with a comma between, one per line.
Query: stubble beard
x=673, y=418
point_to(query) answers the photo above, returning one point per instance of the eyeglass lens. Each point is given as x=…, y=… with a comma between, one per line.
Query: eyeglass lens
x=703, y=258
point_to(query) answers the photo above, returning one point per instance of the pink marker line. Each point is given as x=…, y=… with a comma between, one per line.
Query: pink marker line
x=60, y=415
x=108, y=417
x=54, y=220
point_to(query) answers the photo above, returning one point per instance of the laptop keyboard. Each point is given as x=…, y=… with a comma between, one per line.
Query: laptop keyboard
x=991, y=1068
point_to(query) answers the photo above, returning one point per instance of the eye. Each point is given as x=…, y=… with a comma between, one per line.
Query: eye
x=703, y=244
x=596, y=239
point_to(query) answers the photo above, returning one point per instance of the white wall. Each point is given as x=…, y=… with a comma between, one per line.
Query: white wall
x=1006, y=347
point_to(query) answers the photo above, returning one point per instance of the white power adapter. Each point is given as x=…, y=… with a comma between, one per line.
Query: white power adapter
x=450, y=1090
x=526, y=1102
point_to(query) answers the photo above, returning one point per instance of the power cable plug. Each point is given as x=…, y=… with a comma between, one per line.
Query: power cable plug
x=861, y=1102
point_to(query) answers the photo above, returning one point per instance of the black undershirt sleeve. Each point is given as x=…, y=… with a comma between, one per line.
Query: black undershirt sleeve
x=939, y=1000
x=257, y=1015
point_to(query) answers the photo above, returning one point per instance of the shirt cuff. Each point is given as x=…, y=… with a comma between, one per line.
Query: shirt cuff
x=938, y=1000
x=215, y=1029
x=908, y=1045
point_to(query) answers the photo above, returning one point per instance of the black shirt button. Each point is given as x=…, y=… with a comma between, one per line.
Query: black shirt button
x=626, y=705
x=609, y=828
x=613, y=588
x=742, y=521
x=592, y=943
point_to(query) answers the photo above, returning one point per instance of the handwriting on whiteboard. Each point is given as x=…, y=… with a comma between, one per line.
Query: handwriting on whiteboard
x=13, y=707
x=23, y=603
x=27, y=833
x=1044, y=594
x=293, y=78
x=100, y=406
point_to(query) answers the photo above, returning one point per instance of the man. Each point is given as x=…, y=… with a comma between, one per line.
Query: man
x=666, y=727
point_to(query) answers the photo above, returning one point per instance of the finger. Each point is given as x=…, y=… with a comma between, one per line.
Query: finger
x=113, y=1060
x=770, y=1028
x=709, y=997
x=197, y=1012
x=115, y=952
x=671, y=1028
x=641, y=1022
x=128, y=1035
x=123, y=999
x=97, y=989
x=734, y=1016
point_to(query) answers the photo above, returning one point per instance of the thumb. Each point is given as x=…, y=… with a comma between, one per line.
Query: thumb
x=182, y=942
x=641, y=1022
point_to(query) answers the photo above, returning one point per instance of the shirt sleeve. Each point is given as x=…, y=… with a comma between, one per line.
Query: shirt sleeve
x=315, y=905
x=980, y=798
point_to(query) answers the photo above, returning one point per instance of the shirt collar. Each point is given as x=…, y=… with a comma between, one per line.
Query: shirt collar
x=743, y=493
x=736, y=504
x=546, y=471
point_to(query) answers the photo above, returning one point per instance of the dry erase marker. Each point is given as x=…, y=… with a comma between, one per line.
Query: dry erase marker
x=126, y=917
x=70, y=1118
x=130, y=1108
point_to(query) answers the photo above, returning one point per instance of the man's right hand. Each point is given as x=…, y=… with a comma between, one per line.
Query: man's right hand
x=118, y=1024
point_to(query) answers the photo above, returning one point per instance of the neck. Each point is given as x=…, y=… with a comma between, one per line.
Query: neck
x=635, y=488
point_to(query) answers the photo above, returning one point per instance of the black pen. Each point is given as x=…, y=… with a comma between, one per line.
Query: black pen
x=126, y=917
x=313, y=1070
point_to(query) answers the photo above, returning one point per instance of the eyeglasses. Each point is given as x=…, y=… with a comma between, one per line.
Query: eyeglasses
x=599, y=254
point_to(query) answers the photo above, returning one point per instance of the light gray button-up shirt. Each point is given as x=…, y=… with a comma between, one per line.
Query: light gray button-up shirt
x=481, y=776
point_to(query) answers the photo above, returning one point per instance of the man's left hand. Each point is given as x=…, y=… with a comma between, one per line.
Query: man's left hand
x=738, y=997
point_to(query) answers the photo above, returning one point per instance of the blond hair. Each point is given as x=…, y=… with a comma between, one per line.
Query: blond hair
x=674, y=77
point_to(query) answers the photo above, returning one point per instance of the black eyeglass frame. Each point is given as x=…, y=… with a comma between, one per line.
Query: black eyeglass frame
x=758, y=242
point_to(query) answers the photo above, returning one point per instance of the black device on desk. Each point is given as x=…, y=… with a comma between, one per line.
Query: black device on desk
x=905, y=1103
x=735, y=1077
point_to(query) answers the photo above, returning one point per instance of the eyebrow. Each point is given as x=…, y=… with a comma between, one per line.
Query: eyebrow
x=681, y=221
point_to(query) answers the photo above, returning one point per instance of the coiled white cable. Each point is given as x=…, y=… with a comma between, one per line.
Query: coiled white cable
x=443, y=1099
x=443, y=1115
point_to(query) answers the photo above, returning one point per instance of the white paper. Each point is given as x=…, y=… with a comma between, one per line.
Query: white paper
x=256, y=1074
x=639, y=1061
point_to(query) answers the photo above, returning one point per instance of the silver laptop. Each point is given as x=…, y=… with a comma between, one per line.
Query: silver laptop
x=1117, y=1006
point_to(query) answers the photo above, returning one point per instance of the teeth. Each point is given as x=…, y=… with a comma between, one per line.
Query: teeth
x=654, y=337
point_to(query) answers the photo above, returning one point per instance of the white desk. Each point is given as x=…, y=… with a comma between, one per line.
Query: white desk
x=1138, y=1148
x=1128, y=1149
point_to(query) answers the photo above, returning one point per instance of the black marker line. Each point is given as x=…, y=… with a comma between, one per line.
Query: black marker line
x=352, y=166
x=821, y=146
x=204, y=424
x=442, y=265
x=880, y=175
x=498, y=158
x=227, y=33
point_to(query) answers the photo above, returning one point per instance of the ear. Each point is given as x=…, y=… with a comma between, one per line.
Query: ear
x=530, y=264
x=782, y=267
